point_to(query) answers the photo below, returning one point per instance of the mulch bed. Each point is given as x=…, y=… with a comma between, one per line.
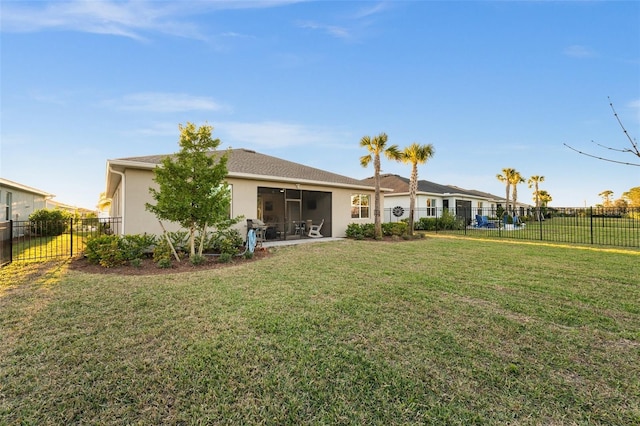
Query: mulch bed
x=148, y=267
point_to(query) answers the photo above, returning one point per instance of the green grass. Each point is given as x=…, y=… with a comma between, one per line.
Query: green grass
x=606, y=231
x=431, y=331
x=27, y=248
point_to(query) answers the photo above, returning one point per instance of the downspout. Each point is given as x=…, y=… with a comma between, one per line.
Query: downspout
x=122, y=192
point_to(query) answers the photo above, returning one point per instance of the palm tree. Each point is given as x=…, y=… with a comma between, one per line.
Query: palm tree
x=534, y=181
x=516, y=178
x=376, y=146
x=506, y=177
x=545, y=198
x=606, y=197
x=415, y=154
x=103, y=202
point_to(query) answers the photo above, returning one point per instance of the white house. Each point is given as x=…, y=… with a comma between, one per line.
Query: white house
x=18, y=201
x=432, y=198
x=288, y=197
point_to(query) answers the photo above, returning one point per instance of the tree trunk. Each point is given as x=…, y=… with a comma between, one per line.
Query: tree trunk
x=192, y=240
x=203, y=236
x=376, y=208
x=506, y=208
x=413, y=189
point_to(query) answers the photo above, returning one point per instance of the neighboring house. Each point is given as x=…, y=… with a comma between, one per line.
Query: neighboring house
x=282, y=194
x=432, y=198
x=18, y=201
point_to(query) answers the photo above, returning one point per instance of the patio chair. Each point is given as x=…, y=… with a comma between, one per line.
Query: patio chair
x=483, y=222
x=314, y=230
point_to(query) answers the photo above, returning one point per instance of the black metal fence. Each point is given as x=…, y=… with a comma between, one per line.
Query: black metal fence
x=591, y=225
x=44, y=240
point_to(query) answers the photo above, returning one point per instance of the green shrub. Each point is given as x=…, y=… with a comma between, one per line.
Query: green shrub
x=49, y=222
x=226, y=241
x=361, y=230
x=225, y=258
x=354, y=230
x=196, y=260
x=113, y=250
x=446, y=222
x=162, y=253
x=394, y=228
x=164, y=263
x=248, y=254
x=105, y=250
x=135, y=246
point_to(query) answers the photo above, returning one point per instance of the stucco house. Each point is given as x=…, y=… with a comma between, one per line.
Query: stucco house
x=432, y=198
x=288, y=197
x=18, y=201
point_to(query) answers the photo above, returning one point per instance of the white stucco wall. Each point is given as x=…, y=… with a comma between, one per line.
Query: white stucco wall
x=22, y=203
x=137, y=220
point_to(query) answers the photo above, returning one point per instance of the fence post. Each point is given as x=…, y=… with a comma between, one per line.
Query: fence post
x=591, y=223
x=71, y=235
x=10, y=241
x=540, y=224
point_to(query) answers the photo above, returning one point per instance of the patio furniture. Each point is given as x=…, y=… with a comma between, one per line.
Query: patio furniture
x=484, y=222
x=314, y=230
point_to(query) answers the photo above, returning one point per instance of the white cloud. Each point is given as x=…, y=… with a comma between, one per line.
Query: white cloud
x=332, y=30
x=164, y=102
x=578, y=51
x=372, y=10
x=132, y=19
x=272, y=134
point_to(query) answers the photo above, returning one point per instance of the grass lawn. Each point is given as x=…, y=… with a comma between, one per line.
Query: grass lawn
x=608, y=231
x=436, y=331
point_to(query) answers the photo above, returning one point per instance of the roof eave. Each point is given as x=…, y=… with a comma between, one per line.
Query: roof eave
x=121, y=165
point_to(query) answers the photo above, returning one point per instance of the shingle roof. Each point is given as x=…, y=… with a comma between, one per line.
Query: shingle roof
x=400, y=184
x=248, y=162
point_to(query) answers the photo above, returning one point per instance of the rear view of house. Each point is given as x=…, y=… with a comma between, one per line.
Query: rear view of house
x=287, y=197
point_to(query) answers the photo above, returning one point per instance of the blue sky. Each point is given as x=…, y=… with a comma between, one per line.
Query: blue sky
x=489, y=84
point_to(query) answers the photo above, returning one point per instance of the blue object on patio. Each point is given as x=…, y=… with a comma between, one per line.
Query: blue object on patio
x=483, y=222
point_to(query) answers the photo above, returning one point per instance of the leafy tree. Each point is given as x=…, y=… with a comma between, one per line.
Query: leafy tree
x=377, y=146
x=633, y=196
x=534, y=182
x=192, y=188
x=606, y=197
x=49, y=222
x=621, y=204
x=415, y=154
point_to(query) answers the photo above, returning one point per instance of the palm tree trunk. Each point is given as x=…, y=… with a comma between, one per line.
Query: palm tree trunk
x=506, y=209
x=376, y=205
x=413, y=189
x=537, y=203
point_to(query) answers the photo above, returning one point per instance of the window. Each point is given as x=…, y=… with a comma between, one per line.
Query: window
x=360, y=206
x=8, y=206
x=431, y=206
x=480, y=208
